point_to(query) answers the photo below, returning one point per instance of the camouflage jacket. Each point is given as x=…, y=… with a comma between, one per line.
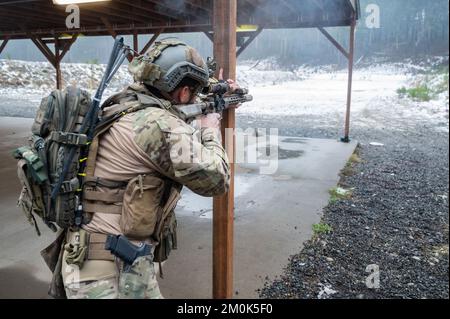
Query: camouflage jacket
x=192, y=157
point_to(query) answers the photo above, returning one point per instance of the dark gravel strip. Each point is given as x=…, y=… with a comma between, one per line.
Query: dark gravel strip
x=397, y=218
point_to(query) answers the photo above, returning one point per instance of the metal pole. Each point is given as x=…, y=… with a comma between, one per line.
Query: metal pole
x=224, y=13
x=346, y=137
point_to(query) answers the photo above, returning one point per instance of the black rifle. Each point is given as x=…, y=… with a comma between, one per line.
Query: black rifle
x=116, y=58
x=216, y=101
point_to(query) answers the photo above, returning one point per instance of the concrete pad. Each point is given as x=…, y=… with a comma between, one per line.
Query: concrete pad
x=274, y=215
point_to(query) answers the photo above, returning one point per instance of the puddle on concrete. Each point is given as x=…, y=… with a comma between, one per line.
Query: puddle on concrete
x=269, y=153
x=294, y=140
x=285, y=154
x=206, y=213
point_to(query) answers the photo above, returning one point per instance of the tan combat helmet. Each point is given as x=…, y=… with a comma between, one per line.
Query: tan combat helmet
x=167, y=63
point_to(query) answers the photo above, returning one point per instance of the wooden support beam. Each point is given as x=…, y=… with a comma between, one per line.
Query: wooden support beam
x=3, y=45
x=249, y=40
x=115, y=13
x=31, y=16
x=66, y=44
x=114, y=34
x=209, y=35
x=109, y=26
x=346, y=137
x=58, y=64
x=203, y=5
x=150, y=42
x=62, y=46
x=45, y=50
x=225, y=14
x=335, y=43
x=135, y=43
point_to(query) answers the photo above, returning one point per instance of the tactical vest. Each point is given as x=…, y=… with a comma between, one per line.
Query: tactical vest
x=146, y=203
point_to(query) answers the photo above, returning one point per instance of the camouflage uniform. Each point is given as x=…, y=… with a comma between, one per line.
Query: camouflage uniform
x=138, y=282
x=192, y=157
x=152, y=139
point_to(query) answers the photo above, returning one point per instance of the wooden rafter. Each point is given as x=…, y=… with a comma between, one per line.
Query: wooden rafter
x=201, y=5
x=113, y=33
x=67, y=43
x=45, y=50
x=209, y=35
x=3, y=45
x=152, y=39
x=111, y=12
x=249, y=40
x=62, y=46
x=109, y=26
x=60, y=13
x=153, y=8
x=146, y=9
x=168, y=8
x=335, y=43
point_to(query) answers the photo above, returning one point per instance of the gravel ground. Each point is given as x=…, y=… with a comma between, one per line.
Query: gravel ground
x=396, y=219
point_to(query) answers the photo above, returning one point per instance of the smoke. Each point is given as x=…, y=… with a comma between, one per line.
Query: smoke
x=174, y=6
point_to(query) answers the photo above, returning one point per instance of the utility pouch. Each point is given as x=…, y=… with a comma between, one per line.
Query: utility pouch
x=166, y=232
x=76, y=248
x=141, y=206
x=31, y=198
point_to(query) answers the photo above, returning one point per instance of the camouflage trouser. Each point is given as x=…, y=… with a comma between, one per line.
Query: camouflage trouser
x=137, y=282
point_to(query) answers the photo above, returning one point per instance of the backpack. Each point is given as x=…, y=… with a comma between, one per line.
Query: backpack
x=55, y=131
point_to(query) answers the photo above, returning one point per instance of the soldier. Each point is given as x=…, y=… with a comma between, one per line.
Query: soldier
x=135, y=171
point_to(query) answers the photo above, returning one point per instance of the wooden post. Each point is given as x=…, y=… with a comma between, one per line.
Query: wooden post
x=135, y=44
x=58, y=65
x=3, y=45
x=150, y=42
x=346, y=137
x=224, y=20
x=62, y=46
x=249, y=40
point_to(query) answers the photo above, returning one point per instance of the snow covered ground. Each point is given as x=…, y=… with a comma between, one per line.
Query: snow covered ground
x=323, y=92
x=305, y=91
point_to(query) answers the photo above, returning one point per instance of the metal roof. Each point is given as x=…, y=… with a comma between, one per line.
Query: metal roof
x=41, y=18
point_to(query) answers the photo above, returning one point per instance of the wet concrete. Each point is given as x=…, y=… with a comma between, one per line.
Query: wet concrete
x=273, y=216
x=23, y=274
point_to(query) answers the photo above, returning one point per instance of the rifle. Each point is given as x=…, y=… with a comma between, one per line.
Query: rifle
x=216, y=101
